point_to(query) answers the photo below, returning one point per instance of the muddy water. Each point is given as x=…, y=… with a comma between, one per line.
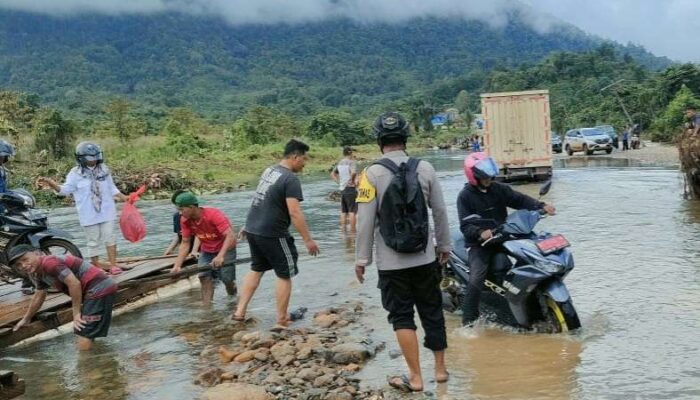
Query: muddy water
x=635, y=285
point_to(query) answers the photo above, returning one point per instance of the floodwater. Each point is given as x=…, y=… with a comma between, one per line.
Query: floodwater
x=636, y=287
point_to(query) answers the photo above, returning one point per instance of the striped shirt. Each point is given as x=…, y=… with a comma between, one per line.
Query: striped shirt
x=54, y=270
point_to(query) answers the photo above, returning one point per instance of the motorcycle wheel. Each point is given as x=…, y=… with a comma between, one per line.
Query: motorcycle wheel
x=562, y=316
x=60, y=247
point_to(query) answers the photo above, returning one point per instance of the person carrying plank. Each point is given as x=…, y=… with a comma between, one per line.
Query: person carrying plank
x=91, y=290
x=217, y=244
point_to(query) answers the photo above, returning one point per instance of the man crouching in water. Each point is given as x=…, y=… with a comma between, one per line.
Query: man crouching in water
x=90, y=289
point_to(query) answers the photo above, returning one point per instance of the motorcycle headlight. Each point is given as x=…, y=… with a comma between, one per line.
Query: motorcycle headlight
x=549, y=266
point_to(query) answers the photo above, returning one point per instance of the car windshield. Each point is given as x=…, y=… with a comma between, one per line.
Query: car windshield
x=591, y=132
x=607, y=129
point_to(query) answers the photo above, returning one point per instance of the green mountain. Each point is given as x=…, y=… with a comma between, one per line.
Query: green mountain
x=162, y=61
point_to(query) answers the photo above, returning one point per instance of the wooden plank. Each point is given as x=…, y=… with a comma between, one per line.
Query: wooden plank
x=13, y=306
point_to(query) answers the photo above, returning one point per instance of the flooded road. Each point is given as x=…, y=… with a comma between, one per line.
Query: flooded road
x=636, y=287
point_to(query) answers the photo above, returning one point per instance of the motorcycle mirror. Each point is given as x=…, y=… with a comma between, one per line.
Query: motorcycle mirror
x=544, y=189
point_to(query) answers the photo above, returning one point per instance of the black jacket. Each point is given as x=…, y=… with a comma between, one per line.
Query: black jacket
x=492, y=204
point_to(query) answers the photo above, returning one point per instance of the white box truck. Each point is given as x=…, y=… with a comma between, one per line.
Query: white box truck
x=517, y=133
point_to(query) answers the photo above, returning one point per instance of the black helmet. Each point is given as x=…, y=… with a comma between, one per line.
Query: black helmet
x=390, y=125
x=88, y=151
x=6, y=149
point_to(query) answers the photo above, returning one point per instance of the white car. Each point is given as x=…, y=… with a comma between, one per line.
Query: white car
x=587, y=140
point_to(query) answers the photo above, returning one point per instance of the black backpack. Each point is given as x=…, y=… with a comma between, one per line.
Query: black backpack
x=403, y=215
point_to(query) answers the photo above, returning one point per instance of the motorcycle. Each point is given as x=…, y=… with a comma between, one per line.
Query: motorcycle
x=21, y=223
x=526, y=286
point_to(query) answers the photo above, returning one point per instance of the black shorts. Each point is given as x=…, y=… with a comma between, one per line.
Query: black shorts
x=268, y=253
x=347, y=201
x=415, y=288
x=97, y=314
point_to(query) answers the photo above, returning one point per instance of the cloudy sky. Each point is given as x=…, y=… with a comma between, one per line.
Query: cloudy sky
x=666, y=27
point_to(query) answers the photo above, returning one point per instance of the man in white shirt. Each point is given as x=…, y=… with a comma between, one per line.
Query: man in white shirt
x=92, y=187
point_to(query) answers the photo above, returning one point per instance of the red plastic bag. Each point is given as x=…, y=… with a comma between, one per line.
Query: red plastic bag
x=131, y=222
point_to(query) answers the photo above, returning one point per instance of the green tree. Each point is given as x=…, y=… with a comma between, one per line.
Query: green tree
x=118, y=111
x=336, y=128
x=54, y=134
x=669, y=124
x=462, y=102
x=180, y=132
x=262, y=125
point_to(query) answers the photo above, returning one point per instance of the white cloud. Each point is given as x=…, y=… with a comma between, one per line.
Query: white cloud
x=291, y=11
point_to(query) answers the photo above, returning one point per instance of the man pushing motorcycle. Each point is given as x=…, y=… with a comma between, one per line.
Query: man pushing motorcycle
x=489, y=200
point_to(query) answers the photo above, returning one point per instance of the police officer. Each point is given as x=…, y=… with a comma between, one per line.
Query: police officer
x=406, y=280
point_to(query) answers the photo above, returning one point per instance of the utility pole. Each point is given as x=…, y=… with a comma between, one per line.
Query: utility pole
x=619, y=99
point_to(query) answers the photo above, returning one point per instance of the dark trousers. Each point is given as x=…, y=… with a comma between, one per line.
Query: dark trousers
x=418, y=287
x=625, y=145
x=479, y=258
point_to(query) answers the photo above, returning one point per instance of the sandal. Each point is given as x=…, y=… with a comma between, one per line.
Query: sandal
x=404, y=384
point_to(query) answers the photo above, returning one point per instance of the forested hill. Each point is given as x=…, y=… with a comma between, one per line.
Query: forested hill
x=169, y=60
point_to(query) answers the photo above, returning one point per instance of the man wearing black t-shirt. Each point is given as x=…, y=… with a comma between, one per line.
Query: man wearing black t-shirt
x=276, y=205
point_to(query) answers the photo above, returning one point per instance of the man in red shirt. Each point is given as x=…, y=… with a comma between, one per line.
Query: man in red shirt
x=90, y=289
x=217, y=244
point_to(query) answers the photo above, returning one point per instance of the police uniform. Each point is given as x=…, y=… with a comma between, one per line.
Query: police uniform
x=406, y=280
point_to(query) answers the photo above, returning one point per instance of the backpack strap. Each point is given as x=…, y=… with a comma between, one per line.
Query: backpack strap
x=388, y=164
x=412, y=164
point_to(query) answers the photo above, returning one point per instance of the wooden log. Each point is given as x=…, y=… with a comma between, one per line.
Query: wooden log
x=185, y=272
x=11, y=386
x=131, y=260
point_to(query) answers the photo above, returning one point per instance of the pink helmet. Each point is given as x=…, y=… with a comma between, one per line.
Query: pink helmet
x=479, y=166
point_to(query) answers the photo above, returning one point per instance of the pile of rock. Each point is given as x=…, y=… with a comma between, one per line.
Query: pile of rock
x=308, y=363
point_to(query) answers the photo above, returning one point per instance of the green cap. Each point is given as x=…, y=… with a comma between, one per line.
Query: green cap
x=186, y=199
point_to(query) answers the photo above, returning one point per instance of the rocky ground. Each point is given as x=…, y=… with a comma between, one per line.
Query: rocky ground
x=313, y=362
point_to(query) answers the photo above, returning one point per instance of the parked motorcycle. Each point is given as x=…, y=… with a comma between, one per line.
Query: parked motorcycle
x=525, y=288
x=21, y=223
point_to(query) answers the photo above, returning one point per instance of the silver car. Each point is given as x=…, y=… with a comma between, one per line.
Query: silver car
x=587, y=140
